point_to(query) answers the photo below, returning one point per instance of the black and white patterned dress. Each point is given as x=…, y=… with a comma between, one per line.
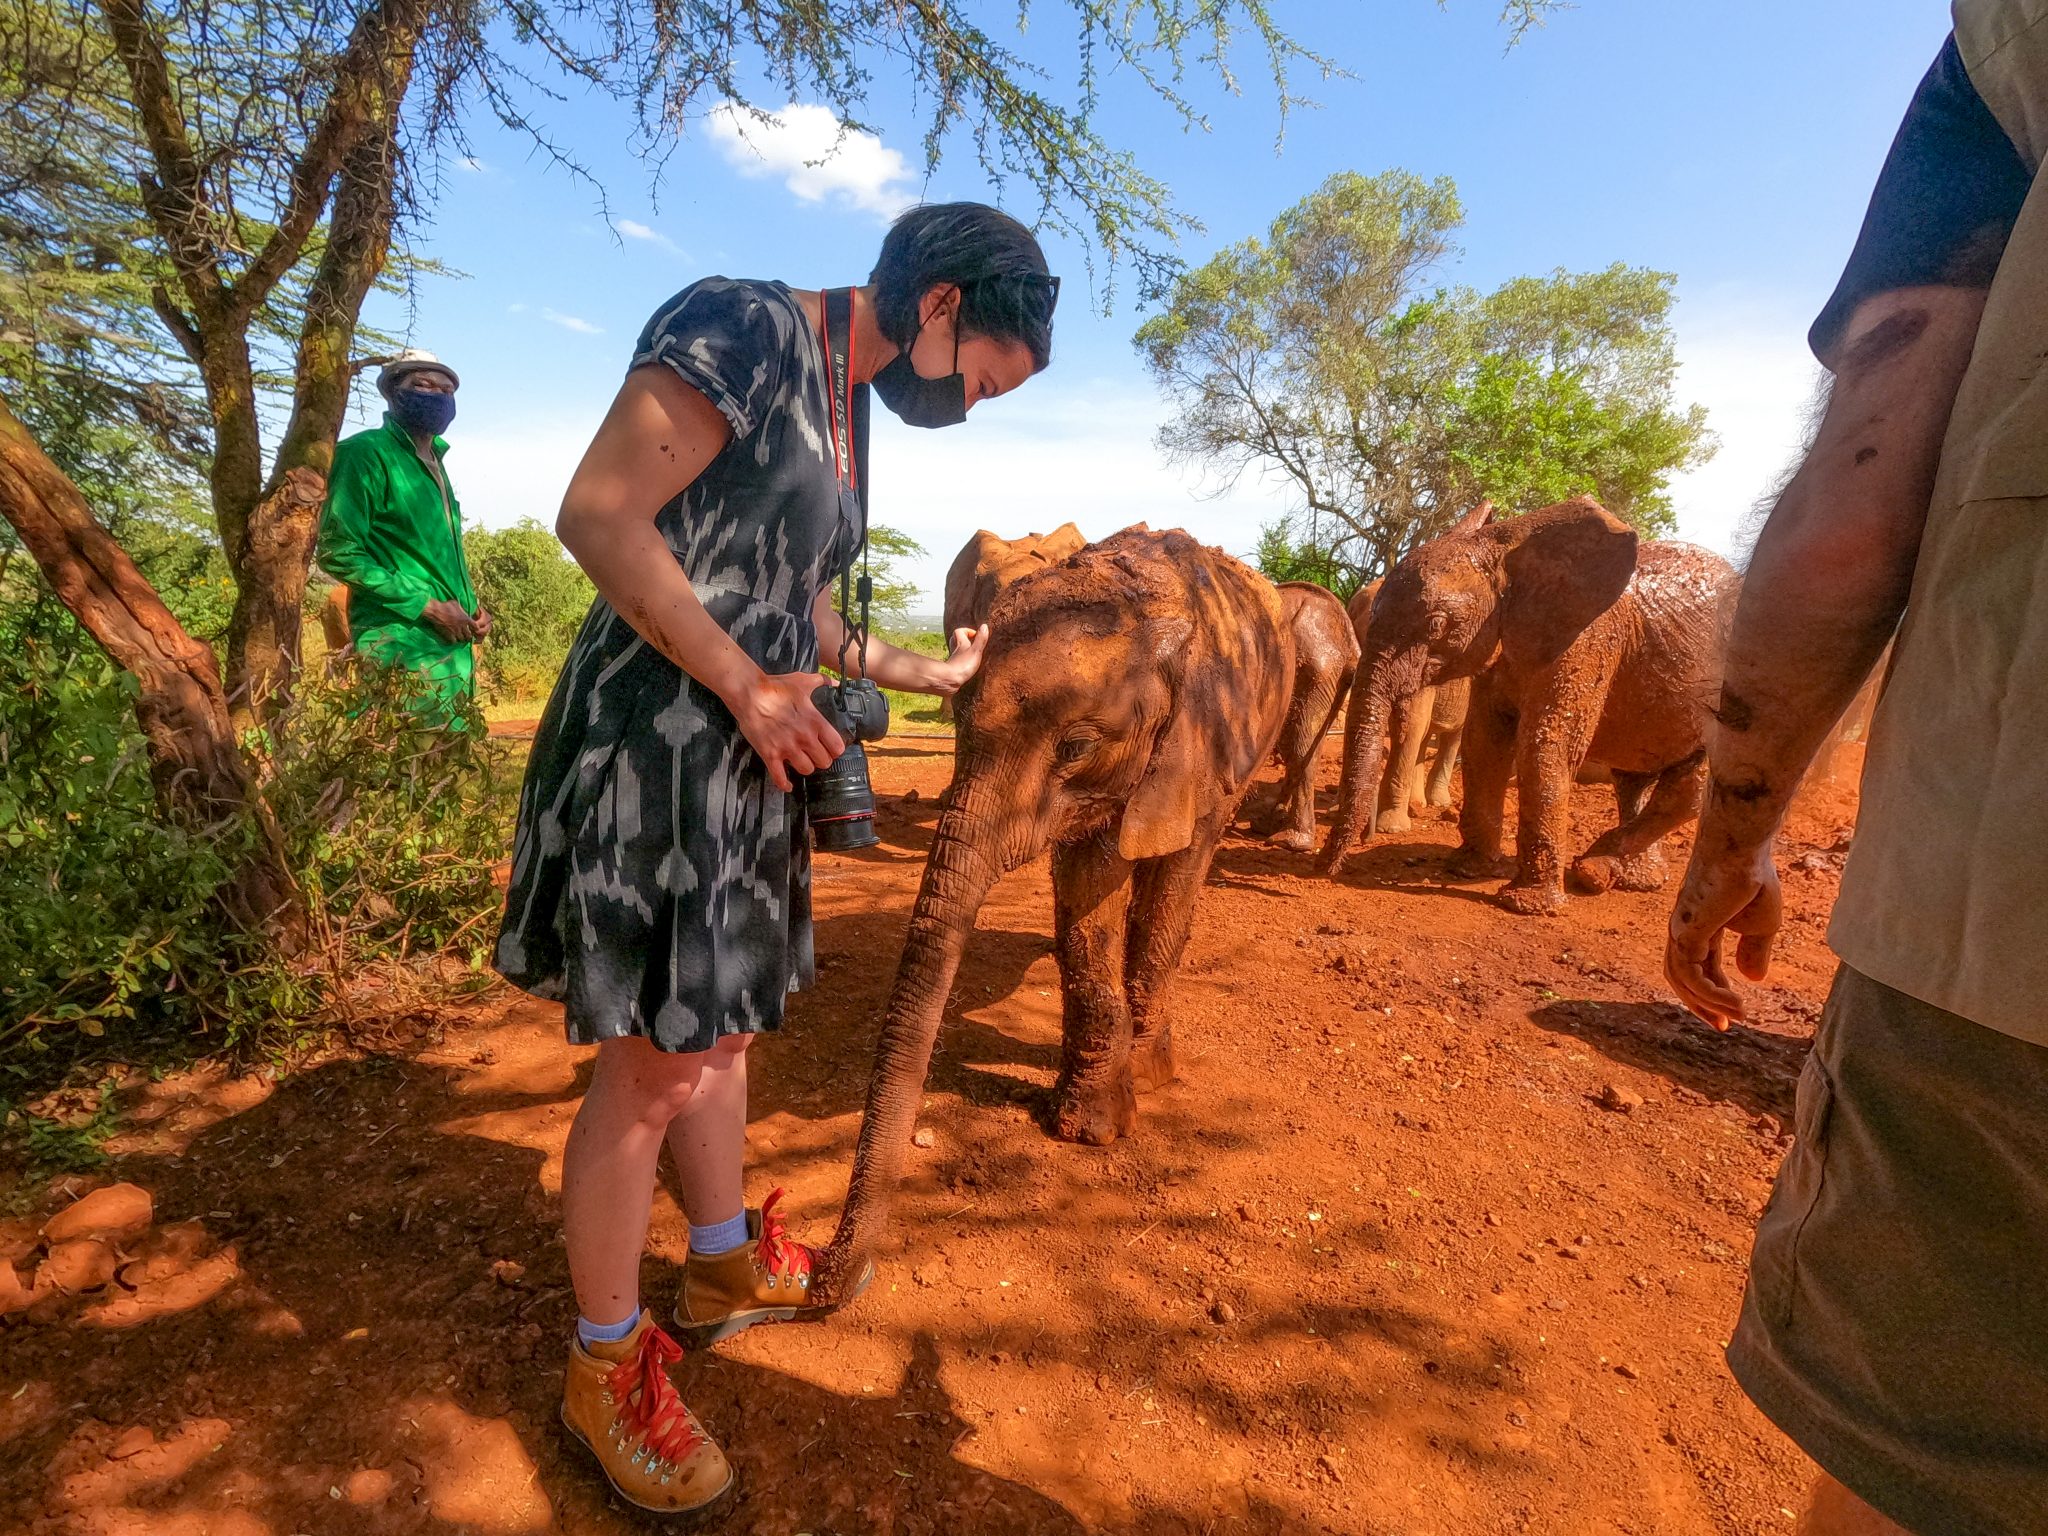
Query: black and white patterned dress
x=660, y=882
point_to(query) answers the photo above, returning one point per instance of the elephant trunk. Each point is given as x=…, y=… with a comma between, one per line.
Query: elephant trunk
x=1379, y=698
x=964, y=864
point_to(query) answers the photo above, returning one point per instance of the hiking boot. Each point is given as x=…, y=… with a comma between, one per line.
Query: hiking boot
x=765, y=1281
x=619, y=1402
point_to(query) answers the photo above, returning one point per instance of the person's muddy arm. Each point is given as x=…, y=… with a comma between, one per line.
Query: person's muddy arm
x=1822, y=596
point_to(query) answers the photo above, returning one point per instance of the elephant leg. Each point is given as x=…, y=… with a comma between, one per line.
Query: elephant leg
x=1630, y=855
x=1302, y=743
x=1548, y=751
x=1489, y=762
x=1437, y=792
x=1162, y=912
x=1093, y=1101
x=1404, y=772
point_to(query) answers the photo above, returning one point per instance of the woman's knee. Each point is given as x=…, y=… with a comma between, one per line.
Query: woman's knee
x=656, y=1084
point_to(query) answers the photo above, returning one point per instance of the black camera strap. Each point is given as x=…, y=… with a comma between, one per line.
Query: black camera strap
x=849, y=428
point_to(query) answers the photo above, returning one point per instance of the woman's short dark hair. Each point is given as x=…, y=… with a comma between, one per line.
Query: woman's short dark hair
x=1005, y=289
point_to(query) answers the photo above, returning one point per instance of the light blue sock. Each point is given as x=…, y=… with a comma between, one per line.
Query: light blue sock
x=720, y=1237
x=604, y=1333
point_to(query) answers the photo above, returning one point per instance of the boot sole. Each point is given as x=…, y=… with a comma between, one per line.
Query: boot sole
x=693, y=1513
x=704, y=1335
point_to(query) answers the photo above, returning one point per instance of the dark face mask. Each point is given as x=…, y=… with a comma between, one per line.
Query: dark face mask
x=920, y=401
x=422, y=410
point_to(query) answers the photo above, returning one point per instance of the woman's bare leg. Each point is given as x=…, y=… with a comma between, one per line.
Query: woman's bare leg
x=636, y=1093
x=708, y=1137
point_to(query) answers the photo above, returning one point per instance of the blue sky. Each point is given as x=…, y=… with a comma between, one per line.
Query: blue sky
x=1733, y=144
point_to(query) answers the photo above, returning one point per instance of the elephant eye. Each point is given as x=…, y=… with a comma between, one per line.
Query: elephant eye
x=1073, y=748
x=1438, y=623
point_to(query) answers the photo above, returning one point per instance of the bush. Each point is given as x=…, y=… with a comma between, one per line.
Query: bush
x=107, y=913
x=536, y=597
x=111, y=942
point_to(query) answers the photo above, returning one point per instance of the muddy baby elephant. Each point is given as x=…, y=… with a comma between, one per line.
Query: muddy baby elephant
x=1325, y=658
x=1126, y=698
x=988, y=563
x=1425, y=736
x=1582, y=647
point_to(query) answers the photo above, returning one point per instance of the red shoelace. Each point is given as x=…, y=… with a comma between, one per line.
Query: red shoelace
x=778, y=1252
x=648, y=1401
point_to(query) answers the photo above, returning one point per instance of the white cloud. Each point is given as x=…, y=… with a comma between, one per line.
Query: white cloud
x=633, y=229
x=1747, y=362
x=574, y=323
x=814, y=156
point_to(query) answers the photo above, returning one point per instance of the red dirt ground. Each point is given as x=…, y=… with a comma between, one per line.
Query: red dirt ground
x=1381, y=1262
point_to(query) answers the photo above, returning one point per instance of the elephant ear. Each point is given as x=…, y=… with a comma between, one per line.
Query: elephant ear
x=1564, y=567
x=1160, y=816
x=1480, y=516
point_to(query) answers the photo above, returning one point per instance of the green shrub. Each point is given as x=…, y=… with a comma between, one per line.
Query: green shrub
x=107, y=913
x=536, y=597
x=111, y=942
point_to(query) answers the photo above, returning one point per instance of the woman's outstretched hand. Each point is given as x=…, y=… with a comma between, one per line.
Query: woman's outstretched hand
x=963, y=660
x=781, y=723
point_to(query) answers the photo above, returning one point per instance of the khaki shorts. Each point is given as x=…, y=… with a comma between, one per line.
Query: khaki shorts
x=1896, y=1321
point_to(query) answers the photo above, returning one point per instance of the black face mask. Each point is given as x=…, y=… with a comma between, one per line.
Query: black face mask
x=920, y=401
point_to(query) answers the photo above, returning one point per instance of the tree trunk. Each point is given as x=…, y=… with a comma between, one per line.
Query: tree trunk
x=200, y=776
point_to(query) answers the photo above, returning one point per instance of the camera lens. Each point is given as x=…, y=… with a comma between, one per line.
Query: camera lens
x=842, y=803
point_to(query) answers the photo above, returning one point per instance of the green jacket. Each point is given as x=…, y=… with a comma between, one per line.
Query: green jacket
x=394, y=540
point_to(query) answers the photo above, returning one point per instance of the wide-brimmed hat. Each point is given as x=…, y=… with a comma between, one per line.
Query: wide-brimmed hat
x=412, y=360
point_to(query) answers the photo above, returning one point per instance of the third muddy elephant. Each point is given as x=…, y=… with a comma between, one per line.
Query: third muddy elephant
x=1126, y=698
x=1428, y=731
x=1582, y=646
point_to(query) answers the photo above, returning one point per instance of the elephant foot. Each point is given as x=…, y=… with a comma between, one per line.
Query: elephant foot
x=1532, y=900
x=1595, y=874
x=1393, y=820
x=1152, y=1064
x=1645, y=871
x=1095, y=1117
x=1294, y=840
x=1472, y=864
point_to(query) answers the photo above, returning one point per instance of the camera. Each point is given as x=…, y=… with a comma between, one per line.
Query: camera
x=842, y=803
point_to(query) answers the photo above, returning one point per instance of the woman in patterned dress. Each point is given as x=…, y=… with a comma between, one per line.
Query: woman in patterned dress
x=661, y=875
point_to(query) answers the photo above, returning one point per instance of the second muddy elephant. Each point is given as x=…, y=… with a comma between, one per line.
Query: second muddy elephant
x=1426, y=737
x=1582, y=646
x=1126, y=698
x=1325, y=660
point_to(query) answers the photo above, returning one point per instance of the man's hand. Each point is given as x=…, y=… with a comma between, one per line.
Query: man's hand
x=449, y=619
x=1725, y=890
x=781, y=723
x=963, y=660
x=482, y=623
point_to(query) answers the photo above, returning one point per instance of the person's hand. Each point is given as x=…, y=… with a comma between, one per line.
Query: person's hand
x=963, y=660
x=1726, y=890
x=450, y=619
x=781, y=723
x=482, y=623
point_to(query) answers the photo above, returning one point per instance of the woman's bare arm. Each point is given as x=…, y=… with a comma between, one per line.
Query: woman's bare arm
x=655, y=441
x=894, y=667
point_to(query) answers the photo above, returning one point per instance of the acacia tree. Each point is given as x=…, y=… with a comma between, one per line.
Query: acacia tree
x=1327, y=353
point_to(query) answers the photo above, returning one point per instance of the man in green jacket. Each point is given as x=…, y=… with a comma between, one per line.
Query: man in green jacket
x=391, y=533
